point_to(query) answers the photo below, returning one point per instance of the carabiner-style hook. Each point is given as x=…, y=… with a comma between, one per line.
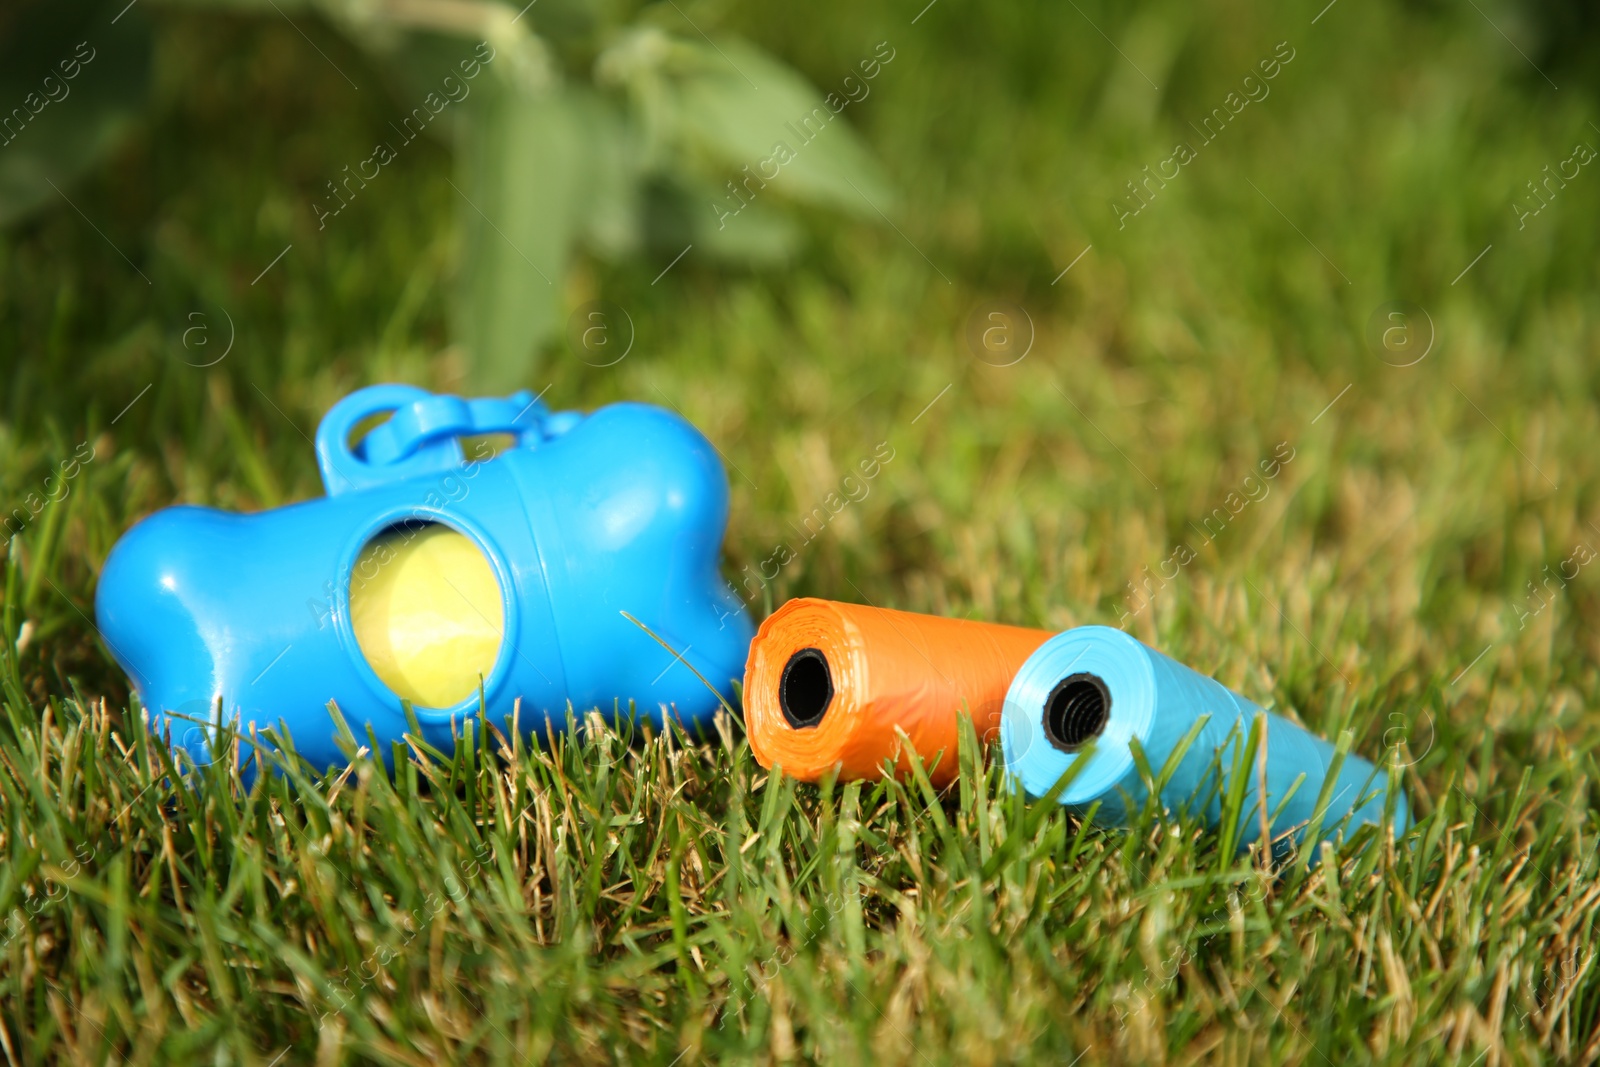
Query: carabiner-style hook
x=421, y=436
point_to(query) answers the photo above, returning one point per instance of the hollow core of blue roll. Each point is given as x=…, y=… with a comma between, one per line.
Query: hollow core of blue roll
x=1076, y=711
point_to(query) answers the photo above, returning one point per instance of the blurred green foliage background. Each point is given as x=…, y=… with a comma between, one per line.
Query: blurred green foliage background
x=170, y=209
x=610, y=128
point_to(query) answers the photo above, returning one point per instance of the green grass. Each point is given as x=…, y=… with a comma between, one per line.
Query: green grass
x=606, y=901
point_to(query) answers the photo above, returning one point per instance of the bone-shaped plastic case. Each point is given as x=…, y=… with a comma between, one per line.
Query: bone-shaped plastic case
x=221, y=618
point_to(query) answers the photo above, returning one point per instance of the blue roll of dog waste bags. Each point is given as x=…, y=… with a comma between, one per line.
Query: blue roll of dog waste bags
x=1096, y=684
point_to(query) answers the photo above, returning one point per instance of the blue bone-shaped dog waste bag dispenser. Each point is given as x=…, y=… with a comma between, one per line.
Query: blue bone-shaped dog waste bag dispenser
x=222, y=618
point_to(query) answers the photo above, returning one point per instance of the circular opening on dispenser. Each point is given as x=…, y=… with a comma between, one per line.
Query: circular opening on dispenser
x=806, y=688
x=1077, y=711
x=427, y=611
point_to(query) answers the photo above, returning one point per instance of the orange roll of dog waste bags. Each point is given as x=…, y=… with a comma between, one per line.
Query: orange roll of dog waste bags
x=827, y=683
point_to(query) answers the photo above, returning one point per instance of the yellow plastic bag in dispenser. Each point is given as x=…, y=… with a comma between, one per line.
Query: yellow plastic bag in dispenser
x=427, y=614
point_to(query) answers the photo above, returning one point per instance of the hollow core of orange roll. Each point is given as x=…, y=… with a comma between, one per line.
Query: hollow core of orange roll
x=829, y=684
